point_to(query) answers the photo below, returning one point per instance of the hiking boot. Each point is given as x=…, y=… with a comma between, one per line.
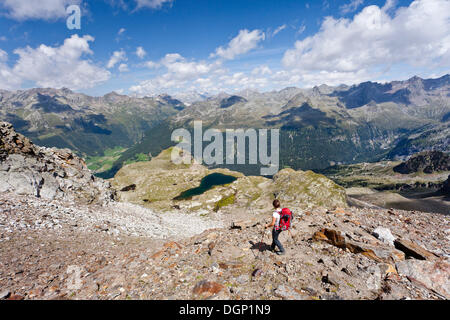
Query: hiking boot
x=281, y=253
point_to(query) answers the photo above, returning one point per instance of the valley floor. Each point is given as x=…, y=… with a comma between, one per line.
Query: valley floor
x=427, y=202
x=55, y=250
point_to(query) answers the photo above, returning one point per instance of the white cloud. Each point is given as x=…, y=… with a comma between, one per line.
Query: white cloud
x=301, y=29
x=332, y=78
x=180, y=68
x=123, y=67
x=3, y=56
x=241, y=44
x=8, y=80
x=352, y=6
x=261, y=70
x=418, y=35
x=58, y=67
x=179, y=73
x=278, y=30
x=120, y=34
x=151, y=64
x=182, y=75
x=42, y=9
x=116, y=57
x=344, y=50
x=153, y=4
x=139, y=4
x=390, y=4
x=140, y=52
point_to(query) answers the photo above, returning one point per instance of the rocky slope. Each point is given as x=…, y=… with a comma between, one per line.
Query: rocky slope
x=27, y=169
x=50, y=250
x=427, y=162
x=384, y=175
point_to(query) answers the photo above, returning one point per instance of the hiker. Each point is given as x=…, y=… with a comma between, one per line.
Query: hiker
x=276, y=230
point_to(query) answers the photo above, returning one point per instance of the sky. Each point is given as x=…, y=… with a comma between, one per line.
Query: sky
x=150, y=47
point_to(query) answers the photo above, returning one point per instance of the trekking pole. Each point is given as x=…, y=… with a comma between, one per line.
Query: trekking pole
x=262, y=238
x=292, y=237
x=295, y=242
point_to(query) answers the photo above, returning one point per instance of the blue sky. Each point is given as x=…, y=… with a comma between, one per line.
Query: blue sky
x=215, y=45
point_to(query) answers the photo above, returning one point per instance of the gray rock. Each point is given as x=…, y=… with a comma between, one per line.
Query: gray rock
x=433, y=275
x=288, y=293
x=384, y=235
x=4, y=294
x=373, y=278
x=48, y=173
x=242, y=279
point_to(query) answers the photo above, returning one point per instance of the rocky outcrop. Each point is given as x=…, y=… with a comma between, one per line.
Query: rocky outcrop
x=413, y=250
x=48, y=173
x=433, y=275
x=427, y=162
x=306, y=188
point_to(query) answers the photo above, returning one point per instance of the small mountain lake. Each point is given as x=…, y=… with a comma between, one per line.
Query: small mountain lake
x=207, y=183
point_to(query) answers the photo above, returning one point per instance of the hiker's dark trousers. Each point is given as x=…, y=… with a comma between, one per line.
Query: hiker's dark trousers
x=275, y=241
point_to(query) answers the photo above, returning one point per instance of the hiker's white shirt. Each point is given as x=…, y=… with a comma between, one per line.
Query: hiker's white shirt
x=277, y=216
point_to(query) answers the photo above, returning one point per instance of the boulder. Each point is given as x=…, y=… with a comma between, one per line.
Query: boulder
x=288, y=293
x=433, y=275
x=4, y=294
x=131, y=187
x=389, y=254
x=379, y=254
x=413, y=250
x=206, y=289
x=384, y=235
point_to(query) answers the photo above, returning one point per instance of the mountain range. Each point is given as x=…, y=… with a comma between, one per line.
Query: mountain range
x=87, y=125
x=319, y=127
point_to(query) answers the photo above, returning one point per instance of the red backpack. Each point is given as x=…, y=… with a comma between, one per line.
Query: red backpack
x=286, y=217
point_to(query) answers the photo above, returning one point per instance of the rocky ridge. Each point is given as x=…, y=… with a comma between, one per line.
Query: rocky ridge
x=426, y=162
x=48, y=173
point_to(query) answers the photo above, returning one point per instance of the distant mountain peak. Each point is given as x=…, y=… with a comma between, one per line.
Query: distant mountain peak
x=232, y=100
x=113, y=93
x=415, y=78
